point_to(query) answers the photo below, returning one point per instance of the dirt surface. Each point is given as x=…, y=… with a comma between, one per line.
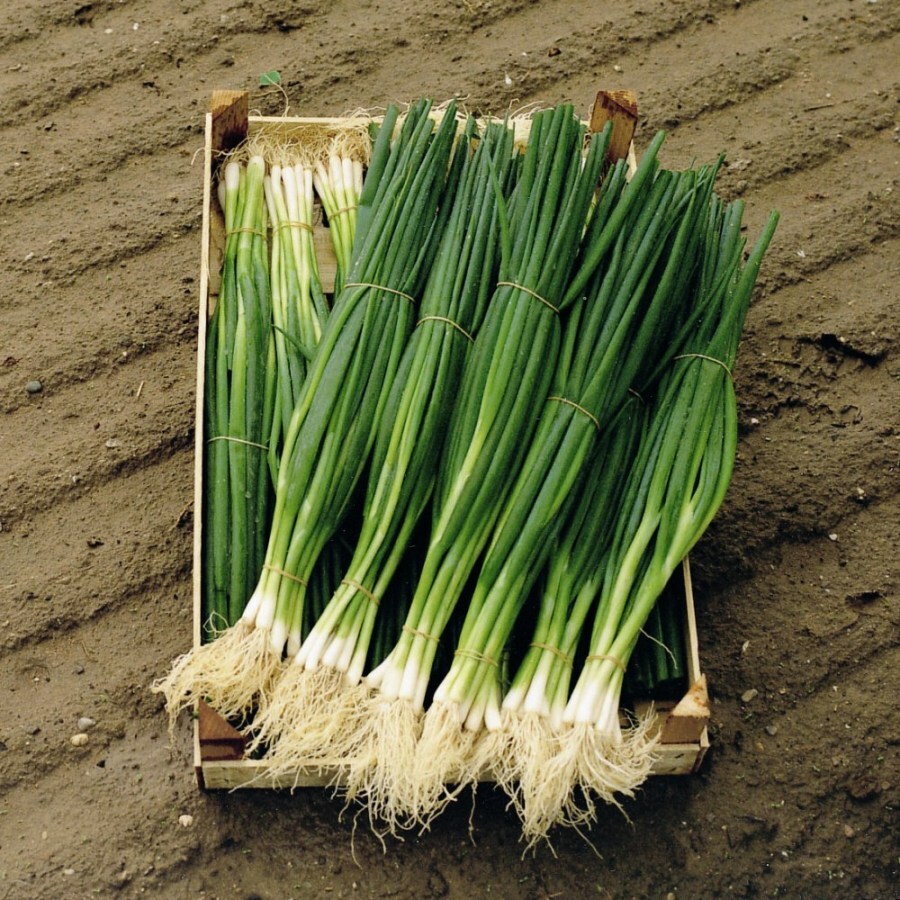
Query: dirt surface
x=797, y=581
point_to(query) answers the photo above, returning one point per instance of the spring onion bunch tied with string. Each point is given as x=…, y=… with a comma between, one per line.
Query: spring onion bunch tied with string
x=299, y=309
x=676, y=483
x=681, y=474
x=338, y=181
x=332, y=428
x=521, y=750
x=318, y=692
x=238, y=411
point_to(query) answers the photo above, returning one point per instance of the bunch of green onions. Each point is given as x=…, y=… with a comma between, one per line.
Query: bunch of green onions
x=236, y=507
x=504, y=381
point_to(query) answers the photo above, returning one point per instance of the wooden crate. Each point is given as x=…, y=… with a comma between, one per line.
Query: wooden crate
x=218, y=747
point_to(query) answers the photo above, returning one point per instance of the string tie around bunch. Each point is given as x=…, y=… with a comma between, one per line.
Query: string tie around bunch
x=362, y=589
x=285, y=574
x=711, y=359
x=455, y=325
x=531, y=293
x=380, y=287
x=579, y=408
x=237, y=440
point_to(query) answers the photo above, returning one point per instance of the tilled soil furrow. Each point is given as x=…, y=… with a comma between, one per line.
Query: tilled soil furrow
x=127, y=758
x=65, y=241
x=75, y=345
x=47, y=686
x=92, y=543
x=86, y=434
x=805, y=746
x=43, y=142
x=829, y=213
x=81, y=59
x=30, y=19
x=37, y=174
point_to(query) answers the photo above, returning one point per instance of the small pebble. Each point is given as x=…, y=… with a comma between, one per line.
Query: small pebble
x=85, y=723
x=68, y=871
x=34, y=387
x=79, y=669
x=747, y=696
x=185, y=821
x=33, y=729
x=848, y=831
x=832, y=536
x=771, y=730
x=79, y=740
x=112, y=443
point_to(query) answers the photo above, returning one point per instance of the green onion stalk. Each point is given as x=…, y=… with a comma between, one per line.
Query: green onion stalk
x=299, y=309
x=608, y=340
x=520, y=752
x=338, y=182
x=677, y=483
x=332, y=427
x=237, y=409
x=505, y=380
x=314, y=700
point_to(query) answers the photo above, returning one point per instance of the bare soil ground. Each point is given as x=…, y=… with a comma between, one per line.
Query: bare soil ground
x=101, y=115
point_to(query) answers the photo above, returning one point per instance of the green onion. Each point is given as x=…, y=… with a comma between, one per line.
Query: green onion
x=676, y=484
x=237, y=416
